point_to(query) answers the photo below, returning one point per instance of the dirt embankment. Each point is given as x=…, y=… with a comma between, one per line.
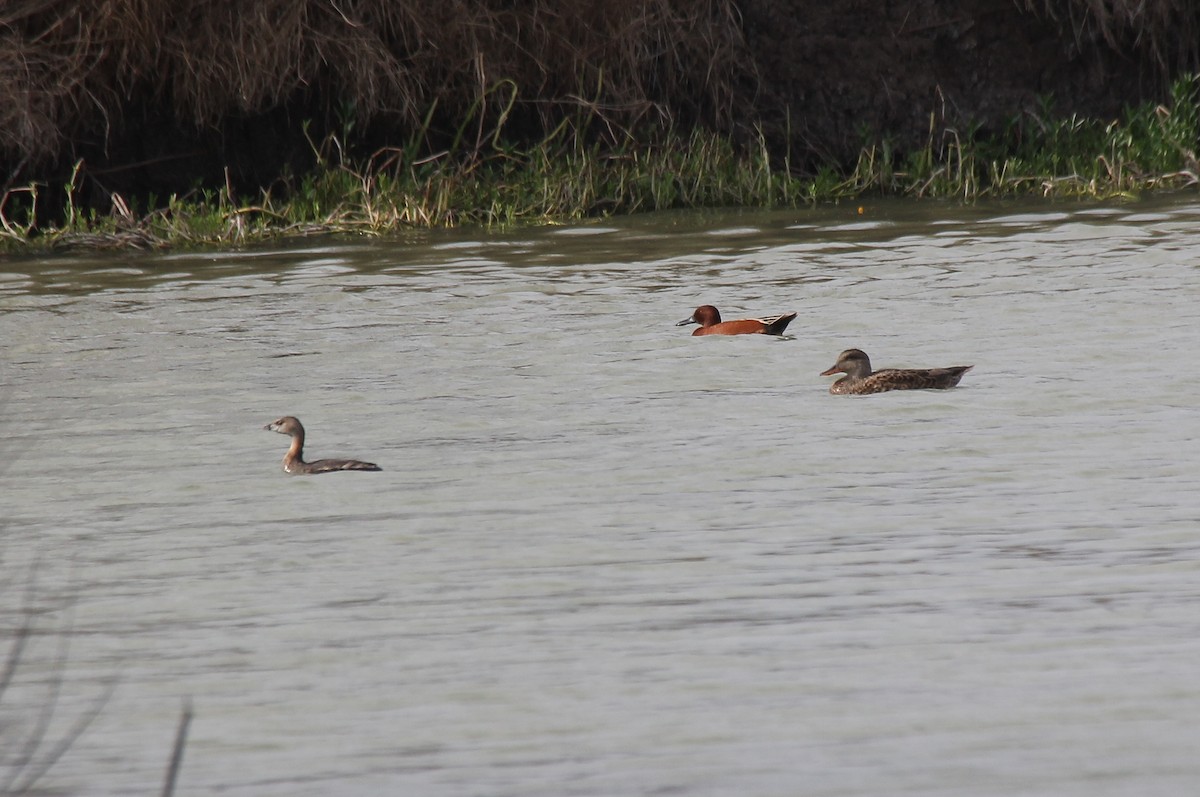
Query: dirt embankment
x=159, y=96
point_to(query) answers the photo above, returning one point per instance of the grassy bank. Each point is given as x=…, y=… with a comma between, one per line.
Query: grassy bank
x=562, y=179
x=1150, y=147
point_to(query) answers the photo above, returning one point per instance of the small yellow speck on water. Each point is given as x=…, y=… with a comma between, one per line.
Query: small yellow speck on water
x=860, y=210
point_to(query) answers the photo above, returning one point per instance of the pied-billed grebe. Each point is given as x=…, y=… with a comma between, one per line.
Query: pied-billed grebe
x=709, y=319
x=859, y=379
x=293, y=460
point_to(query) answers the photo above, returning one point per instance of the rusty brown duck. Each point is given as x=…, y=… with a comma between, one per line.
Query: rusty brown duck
x=860, y=380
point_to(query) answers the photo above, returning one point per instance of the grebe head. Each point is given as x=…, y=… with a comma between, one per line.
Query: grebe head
x=286, y=425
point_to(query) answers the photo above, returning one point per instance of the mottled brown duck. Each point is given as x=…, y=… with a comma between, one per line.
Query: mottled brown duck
x=860, y=380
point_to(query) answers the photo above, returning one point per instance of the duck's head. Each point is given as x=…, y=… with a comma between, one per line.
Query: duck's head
x=853, y=362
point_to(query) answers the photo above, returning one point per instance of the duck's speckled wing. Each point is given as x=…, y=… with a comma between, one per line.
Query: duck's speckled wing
x=330, y=465
x=902, y=379
x=915, y=378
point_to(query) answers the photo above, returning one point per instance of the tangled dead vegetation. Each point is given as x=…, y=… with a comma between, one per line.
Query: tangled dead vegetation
x=71, y=73
x=1168, y=30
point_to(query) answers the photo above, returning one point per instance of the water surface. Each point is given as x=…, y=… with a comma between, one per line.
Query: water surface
x=605, y=557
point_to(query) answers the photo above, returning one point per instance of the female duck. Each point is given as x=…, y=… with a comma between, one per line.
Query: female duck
x=709, y=319
x=859, y=379
x=293, y=460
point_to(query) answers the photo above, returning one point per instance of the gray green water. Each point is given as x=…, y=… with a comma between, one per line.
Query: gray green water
x=605, y=557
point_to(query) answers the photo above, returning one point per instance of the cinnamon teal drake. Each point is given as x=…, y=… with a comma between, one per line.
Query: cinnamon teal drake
x=709, y=319
x=860, y=380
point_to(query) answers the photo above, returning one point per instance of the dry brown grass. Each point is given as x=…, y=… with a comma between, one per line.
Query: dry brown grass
x=75, y=71
x=1168, y=30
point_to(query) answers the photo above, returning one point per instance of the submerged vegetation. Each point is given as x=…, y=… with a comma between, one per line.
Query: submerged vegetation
x=32, y=690
x=136, y=124
x=42, y=712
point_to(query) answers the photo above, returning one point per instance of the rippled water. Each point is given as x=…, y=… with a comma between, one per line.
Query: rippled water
x=605, y=557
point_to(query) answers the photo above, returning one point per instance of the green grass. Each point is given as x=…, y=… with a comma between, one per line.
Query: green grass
x=1151, y=147
x=563, y=179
